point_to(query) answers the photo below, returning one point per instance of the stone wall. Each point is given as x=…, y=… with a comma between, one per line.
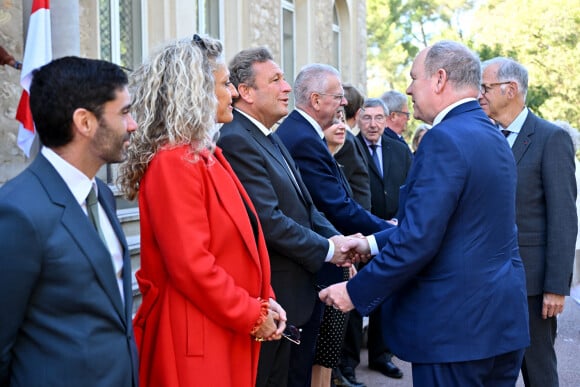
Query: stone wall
x=12, y=160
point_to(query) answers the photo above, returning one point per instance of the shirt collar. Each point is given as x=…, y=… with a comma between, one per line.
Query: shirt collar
x=444, y=112
x=76, y=181
x=517, y=124
x=254, y=121
x=312, y=122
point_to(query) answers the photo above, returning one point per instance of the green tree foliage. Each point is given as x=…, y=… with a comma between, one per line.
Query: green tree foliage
x=542, y=35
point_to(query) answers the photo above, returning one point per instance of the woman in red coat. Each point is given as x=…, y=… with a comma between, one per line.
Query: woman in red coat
x=205, y=274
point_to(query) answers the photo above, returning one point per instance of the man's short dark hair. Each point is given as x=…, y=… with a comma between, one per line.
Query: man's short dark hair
x=355, y=100
x=241, y=70
x=66, y=84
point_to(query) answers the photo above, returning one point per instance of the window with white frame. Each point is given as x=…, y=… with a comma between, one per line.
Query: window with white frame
x=288, y=39
x=209, y=17
x=120, y=32
x=335, y=38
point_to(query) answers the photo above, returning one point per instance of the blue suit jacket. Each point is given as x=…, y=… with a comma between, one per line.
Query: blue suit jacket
x=450, y=275
x=322, y=176
x=63, y=321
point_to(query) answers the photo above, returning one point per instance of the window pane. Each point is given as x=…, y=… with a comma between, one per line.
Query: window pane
x=126, y=31
x=288, y=44
x=105, y=28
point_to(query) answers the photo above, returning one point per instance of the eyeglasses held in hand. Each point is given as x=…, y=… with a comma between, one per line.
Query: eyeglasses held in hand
x=292, y=333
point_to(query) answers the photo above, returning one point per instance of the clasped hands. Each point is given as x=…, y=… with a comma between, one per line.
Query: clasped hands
x=350, y=249
x=274, y=325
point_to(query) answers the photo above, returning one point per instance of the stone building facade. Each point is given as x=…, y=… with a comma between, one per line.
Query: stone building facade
x=297, y=32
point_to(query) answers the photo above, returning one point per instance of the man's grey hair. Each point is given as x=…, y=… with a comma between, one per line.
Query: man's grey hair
x=375, y=102
x=313, y=78
x=509, y=70
x=241, y=70
x=394, y=100
x=462, y=65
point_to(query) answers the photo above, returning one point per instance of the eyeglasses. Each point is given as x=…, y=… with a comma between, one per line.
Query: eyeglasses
x=292, y=333
x=337, y=97
x=486, y=87
x=368, y=118
x=400, y=112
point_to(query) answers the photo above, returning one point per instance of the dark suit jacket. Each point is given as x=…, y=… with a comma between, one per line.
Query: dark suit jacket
x=451, y=269
x=385, y=189
x=63, y=322
x=323, y=178
x=351, y=159
x=546, y=205
x=393, y=135
x=295, y=231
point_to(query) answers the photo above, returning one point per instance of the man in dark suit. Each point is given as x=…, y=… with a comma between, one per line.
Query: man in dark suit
x=450, y=274
x=397, y=115
x=388, y=161
x=66, y=275
x=300, y=240
x=545, y=208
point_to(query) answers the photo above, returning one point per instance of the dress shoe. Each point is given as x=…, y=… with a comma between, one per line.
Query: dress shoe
x=345, y=378
x=387, y=368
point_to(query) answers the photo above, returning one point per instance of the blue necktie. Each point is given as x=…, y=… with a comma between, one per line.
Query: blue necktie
x=376, y=158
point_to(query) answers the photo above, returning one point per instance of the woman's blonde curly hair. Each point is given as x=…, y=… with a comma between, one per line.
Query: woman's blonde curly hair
x=174, y=104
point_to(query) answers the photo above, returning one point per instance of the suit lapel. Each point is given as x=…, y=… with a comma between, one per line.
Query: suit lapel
x=127, y=275
x=81, y=230
x=267, y=144
x=228, y=191
x=524, y=138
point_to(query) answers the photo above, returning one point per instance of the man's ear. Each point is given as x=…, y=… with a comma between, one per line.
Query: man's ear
x=246, y=93
x=440, y=80
x=84, y=122
x=315, y=101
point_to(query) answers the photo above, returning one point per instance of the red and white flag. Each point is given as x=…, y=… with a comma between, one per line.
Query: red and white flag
x=38, y=52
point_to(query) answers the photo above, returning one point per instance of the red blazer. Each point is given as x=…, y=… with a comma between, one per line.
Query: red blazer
x=201, y=274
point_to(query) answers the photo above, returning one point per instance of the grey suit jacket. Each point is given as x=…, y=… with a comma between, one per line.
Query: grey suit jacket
x=546, y=205
x=62, y=319
x=295, y=231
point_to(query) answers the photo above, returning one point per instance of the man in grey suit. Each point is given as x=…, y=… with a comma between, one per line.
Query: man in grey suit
x=545, y=208
x=65, y=281
x=299, y=238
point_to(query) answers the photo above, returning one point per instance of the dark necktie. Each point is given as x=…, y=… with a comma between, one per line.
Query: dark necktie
x=375, y=157
x=93, y=212
x=505, y=132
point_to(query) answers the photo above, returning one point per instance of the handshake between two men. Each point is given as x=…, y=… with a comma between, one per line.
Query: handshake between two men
x=348, y=250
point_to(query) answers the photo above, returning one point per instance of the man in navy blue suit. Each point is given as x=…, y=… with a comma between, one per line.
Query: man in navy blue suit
x=450, y=274
x=65, y=277
x=318, y=93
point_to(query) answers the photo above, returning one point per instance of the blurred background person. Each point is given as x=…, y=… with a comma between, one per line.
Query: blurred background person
x=333, y=326
x=418, y=136
x=388, y=163
x=352, y=160
x=205, y=273
x=397, y=115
